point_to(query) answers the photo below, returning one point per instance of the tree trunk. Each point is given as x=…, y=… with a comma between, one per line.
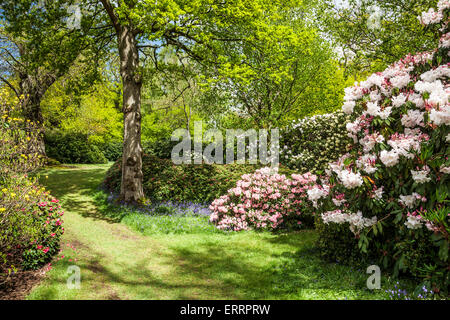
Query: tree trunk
x=33, y=113
x=131, y=187
x=33, y=89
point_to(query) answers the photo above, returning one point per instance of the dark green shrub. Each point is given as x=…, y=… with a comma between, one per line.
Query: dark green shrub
x=52, y=162
x=164, y=181
x=337, y=243
x=161, y=148
x=112, y=150
x=72, y=148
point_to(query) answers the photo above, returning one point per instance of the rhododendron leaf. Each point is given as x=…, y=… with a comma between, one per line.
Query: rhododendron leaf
x=375, y=229
x=443, y=250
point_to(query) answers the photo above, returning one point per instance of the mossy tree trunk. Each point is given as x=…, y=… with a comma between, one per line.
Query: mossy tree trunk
x=131, y=187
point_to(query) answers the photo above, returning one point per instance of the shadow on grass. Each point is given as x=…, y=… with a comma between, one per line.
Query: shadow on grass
x=77, y=188
x=222, y=267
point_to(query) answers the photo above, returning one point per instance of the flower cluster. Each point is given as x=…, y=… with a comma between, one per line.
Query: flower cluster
x=309, y=144
x=30, y=219
x=397, y=115
x=263, y=200
x=432, y=16
x=355, y=220
x=390, y=190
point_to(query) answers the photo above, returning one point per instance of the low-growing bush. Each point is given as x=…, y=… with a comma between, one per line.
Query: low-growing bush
x=164, y=181
x=264, y=199
x=336, y=243
x=68, y=147
x=31, y=225
x=112, y=150
x=30, y=219
x=309, y=144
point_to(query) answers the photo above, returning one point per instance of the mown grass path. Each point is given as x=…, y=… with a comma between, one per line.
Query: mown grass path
x=119, y=263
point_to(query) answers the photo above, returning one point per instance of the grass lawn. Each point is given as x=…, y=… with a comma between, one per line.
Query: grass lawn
x=132, y=256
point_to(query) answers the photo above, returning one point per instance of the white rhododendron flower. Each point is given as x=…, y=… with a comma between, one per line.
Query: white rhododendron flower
x=373, y=108
x=444, y=169
x=367, y=163
x=315, y=194
x=443, y=4
x=353, y=93
x=441, y=116
x=409, y=200
x=336, y=216
x=413, y=222
x=399, y=100
x=435, y=74
x=431, y=17
x=376, y=79
x=348, y=107
x=375, y=96
x=421, y=176
x=413, y=118
x=356, y=220
x=369, y=141
x=417, y=100
x=385, y=113
x=422, y=86
x=439, y=97
x=378, y=193
x=401, y=81
x=444, y=42
x=402, y=144
x=350, y=179
x=389, y=158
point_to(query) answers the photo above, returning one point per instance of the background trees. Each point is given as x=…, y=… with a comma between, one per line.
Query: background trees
x=235, y=63
x=289, y=79
x=39, y=43
x=373, y=34
x=202, y=30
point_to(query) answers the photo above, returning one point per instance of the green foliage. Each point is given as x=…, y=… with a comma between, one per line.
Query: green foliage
x=94, y=112
x=72, y=148
x=296, y=78
x=30, y=219
x=373, y=34
x=165, y=181
x=310, y=144
x=112, y=150
x=420, y=255
x=337, y=243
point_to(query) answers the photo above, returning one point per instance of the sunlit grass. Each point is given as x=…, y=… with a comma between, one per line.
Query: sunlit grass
x=124, y=254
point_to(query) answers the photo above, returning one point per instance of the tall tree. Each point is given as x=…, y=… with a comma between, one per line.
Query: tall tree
x=202, y=30
x=40, y=41
x=311, y=83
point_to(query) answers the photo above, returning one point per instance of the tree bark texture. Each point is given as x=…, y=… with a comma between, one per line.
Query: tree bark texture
x=131, y=187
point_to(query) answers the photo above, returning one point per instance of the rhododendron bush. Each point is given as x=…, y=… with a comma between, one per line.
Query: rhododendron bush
x=263, y=200
x=30, y=219
x=391, y=190
x=311, y=143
